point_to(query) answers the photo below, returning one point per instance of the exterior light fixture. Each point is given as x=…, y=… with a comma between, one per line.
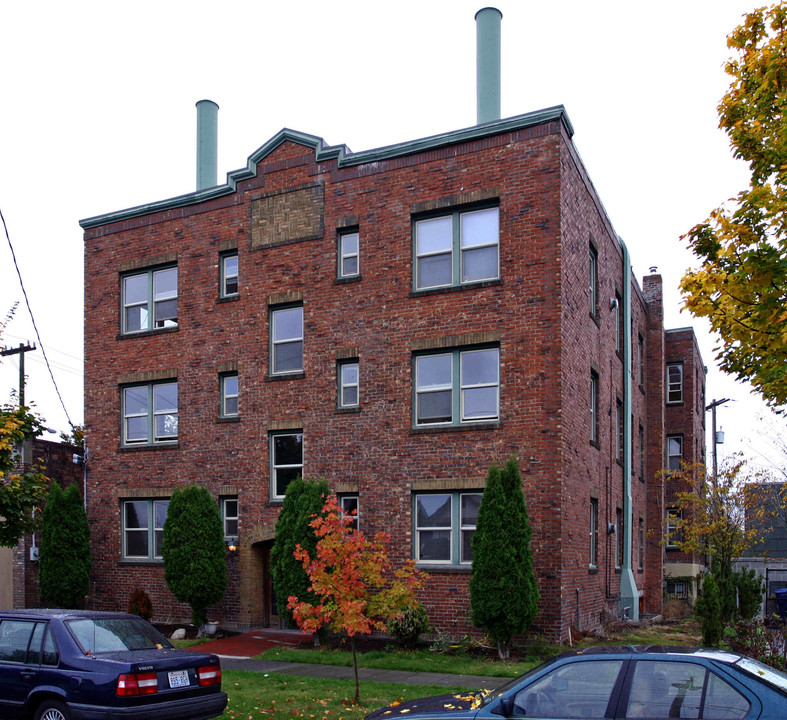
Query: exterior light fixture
x=232, y=545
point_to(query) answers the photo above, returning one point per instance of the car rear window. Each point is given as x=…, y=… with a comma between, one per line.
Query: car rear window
x=771, y=676
x=106, y=635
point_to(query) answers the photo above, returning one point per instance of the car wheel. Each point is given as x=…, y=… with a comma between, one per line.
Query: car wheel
x=52, y=710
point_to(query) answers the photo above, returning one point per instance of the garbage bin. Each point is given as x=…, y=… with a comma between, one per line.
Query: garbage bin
x=781, y=602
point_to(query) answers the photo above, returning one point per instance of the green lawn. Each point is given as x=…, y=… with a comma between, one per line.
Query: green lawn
x=459, y=661
x=411, y=660
x=253, y=695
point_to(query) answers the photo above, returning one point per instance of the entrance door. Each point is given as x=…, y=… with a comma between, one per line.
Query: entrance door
x=270, y=608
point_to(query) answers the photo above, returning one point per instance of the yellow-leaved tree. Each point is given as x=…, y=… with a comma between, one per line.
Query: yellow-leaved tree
x=741, y=283
x=22, y=488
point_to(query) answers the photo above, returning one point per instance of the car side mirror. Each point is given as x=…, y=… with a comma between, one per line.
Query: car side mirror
x=505, y=707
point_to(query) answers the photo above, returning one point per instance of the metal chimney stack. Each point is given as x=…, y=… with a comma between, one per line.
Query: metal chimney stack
x=207, y=144
x=488, y=64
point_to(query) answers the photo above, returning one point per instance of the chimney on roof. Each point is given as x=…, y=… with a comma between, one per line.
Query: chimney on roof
x=487, y=24
x=207, y=144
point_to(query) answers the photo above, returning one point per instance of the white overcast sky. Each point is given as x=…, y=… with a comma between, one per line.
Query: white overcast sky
x=97, y=113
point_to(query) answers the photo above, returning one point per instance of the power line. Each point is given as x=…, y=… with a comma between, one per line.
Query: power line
x=33, y=320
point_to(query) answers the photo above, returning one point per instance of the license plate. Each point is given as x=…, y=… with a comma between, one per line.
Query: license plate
x=178, y=678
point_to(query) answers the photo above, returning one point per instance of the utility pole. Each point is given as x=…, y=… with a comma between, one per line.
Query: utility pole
x=21, y=350
x=712, y=407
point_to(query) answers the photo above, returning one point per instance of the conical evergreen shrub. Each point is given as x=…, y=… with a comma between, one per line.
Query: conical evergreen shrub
x=65, y=563
x=503, y=589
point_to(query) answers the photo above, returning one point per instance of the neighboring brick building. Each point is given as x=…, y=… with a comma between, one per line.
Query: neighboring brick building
x=393, y=321
x=19, y=571
x=685, y=446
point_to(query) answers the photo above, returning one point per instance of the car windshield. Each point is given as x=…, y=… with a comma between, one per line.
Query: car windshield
x=774, y=678
x=106, y=635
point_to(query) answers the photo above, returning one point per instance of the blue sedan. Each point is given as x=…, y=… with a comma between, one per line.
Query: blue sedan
x=82, y=665
x=605, y=683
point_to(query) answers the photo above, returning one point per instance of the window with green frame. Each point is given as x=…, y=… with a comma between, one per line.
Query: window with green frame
x=150, y=413
x=455, y=387
x=457, y=248
x=444, y=527
x=143, y=528
x=150, y=300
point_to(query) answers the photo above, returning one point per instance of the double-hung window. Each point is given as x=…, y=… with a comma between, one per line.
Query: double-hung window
x=593, y=279
x=150, y=300
x=444, y=527
x=460, y=386
x=675, y=383
x=229, y=516
x=349, y=388
x=150, y=413
x=349, y=254
x=286, y=452
x=229, y=275
x=143, y=528
x=674, y=452
x=673, y=533
x=593, y=555
x=229, y=394
x=458, y=248
x=641, y=545
x=593, y=407
x=286, y=339
x=350, y=508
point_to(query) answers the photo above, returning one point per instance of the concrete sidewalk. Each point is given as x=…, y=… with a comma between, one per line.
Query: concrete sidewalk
x=237, y=653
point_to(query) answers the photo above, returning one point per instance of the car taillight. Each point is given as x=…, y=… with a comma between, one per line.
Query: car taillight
x=209, y=675
x=137, y=684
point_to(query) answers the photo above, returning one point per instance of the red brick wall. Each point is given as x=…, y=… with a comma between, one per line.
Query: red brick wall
x=538, y=311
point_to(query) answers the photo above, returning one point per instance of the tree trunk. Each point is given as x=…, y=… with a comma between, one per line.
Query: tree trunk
x=355, y=667
x=503, y=649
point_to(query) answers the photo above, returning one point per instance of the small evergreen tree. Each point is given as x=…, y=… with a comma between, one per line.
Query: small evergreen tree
x=195, y=561
x=503, y=589
x=303, y=500
x=750, y=588
x=64, y=567
x=708, y=611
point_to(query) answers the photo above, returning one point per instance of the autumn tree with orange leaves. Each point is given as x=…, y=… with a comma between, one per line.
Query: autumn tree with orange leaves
x=357, y=587
x=741, y=283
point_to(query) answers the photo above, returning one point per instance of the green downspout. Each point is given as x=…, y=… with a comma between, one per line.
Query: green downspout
x=629, y=594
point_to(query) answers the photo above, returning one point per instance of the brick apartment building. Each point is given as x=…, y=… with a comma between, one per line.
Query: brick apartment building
x=393, y=321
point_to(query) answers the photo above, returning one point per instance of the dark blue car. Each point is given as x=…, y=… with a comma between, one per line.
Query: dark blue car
x=71, y=664
x=657, y=683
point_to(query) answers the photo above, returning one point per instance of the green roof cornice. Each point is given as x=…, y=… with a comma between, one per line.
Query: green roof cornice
x=341, y=154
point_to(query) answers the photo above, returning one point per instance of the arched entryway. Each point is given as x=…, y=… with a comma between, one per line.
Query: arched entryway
x=258, y=601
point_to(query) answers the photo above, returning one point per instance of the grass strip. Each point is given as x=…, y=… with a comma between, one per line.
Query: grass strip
x=275, y=695
x=407, y=660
